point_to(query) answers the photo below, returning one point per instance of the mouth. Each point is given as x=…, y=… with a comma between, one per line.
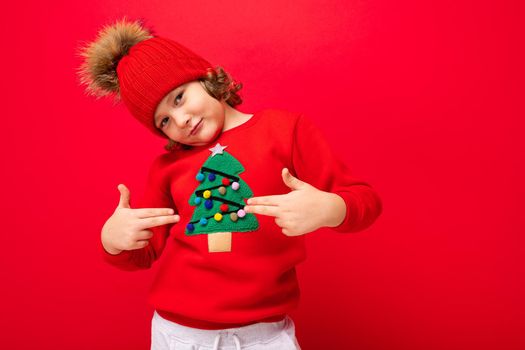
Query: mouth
x=196, y=128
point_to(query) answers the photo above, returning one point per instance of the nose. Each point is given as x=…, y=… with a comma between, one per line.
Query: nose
x=182, y=120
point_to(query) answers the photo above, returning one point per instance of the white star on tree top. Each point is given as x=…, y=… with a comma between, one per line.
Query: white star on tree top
x=217, y=149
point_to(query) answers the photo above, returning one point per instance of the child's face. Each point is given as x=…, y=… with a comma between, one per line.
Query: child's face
x=189, y=115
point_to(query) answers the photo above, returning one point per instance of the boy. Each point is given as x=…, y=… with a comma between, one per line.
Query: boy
x=229, y=272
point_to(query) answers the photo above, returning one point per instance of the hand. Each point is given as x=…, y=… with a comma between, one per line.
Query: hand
x=127, y=228
x=303, y=210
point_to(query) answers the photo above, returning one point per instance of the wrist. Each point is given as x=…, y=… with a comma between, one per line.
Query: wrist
x=111, y=251
x=336, y=207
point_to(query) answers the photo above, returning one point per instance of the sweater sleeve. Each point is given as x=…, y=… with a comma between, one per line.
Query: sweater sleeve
x=315, y=162
x=156, y=195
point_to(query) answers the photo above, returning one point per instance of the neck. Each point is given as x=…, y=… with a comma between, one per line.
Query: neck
x=233, y=117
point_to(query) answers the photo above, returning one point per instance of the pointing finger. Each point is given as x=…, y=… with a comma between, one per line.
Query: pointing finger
x=262, y=210
x=158, y=221
x=152, y=212
x=266, y=200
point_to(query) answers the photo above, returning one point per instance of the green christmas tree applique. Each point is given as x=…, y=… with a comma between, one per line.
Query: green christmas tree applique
x=219, y=201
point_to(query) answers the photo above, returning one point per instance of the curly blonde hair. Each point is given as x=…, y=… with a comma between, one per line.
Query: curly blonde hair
x=220, y=85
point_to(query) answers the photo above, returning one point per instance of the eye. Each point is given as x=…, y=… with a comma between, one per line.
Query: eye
x=177, y=101
x=161, y=125
x=179, y=96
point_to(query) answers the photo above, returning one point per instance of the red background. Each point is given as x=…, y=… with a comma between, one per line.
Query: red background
x=421, y=98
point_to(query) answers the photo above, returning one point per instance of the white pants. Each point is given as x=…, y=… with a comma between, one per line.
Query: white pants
x=167, y=335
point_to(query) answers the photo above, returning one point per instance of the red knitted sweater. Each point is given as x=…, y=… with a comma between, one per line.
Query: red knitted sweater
x=256, y=281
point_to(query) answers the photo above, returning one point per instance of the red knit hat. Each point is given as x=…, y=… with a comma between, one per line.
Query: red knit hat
x=138, y=67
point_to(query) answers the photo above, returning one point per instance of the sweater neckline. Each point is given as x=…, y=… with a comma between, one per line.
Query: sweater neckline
x=253, y=119
x=244, y=125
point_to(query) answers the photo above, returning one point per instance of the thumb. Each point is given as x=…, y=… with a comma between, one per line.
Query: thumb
x=124, y=196
x=291, y=181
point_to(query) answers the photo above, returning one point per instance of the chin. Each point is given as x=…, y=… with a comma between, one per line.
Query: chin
x=212, y=135
x=204, y=140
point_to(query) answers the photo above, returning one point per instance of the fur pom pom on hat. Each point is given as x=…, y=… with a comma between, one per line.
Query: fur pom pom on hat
x=128, y=61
